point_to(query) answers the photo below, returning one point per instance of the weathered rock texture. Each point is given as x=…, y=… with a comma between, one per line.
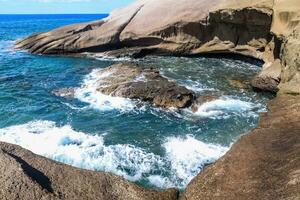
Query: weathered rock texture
x=263, y=164
x=26, y=176
x=255, y=28
x=135, y=82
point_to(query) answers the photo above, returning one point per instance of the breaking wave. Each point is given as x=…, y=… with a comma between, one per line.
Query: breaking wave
x=182, y=160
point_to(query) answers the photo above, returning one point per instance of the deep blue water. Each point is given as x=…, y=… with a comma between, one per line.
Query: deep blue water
x=151, y=146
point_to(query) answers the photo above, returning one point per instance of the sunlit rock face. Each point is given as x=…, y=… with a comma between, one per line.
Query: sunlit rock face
x=254, y=28
x=165, y=27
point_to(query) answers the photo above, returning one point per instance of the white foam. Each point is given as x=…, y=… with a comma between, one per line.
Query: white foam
x=79, y=149
x=188, y=156
x=6, y=46
x=223, y=106
x=103, y=57
x=183, y=159
x=88, y=93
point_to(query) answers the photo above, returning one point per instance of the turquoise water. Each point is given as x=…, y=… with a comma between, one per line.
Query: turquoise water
x=154, y=147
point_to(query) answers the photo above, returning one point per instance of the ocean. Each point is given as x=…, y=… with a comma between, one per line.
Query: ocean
x=154, y=147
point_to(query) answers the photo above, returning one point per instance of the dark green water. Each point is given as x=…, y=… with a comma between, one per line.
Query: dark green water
x=151, y=146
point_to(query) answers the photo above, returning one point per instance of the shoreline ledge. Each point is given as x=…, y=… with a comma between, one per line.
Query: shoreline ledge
x=263, y=164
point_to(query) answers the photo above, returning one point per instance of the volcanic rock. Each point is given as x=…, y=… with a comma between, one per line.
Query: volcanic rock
x=135, y=82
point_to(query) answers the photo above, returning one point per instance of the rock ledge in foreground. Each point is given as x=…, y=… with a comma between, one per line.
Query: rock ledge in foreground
x=26, y=176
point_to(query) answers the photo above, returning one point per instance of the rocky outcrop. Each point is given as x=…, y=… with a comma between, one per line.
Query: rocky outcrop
x=263, y=164
x=187, y=28
x=135, y=82
x=255, y=28
x=290, y=75
x=269, y=77
x=27, y=176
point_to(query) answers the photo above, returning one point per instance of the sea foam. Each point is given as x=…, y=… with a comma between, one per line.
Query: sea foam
x=182, y=160
x=224, y=106
x=88, y=93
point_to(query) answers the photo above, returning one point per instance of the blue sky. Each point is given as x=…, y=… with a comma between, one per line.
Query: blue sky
x=59, y=6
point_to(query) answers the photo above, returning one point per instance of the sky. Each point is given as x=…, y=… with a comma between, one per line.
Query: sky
x=60, y=6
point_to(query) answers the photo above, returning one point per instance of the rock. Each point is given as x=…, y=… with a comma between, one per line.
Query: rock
x=64, y=92
x=180, y=28
x=269, y=78
x=27, y=176
x=262, y=164
x=239, y=84
x=211, y=96
x=286, y=17
x=290, y=76
x=255, y=28
x=135, y=82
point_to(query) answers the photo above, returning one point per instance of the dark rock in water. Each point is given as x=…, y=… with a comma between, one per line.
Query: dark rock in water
x=135, y=82
x=64, y=92
x=26, y=176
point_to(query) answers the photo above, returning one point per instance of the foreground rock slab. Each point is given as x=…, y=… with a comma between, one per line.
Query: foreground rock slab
x=26, y=176
x=136, y=82
x=263, y=164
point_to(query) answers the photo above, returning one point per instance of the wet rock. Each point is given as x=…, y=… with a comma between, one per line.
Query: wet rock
x=135, y=82
x=26, y=176
x=204, y=99
x=64, y=92
x=239, y=84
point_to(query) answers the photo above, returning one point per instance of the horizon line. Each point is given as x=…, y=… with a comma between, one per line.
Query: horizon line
x=54, y=13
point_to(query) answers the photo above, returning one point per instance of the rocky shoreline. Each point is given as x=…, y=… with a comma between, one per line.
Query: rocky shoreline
x=263, y=164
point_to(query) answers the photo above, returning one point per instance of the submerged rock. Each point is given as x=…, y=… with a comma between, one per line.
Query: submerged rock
x=27, y=176
x=239, y=84
x=135, y=82
x=64, y=92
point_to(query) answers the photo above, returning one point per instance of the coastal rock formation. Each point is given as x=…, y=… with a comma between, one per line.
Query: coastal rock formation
x=27, y=176
x=255, y=28
x=291, y=61
x=269, y=77
x=263, y=164
x=187, y=28
x=135, y=82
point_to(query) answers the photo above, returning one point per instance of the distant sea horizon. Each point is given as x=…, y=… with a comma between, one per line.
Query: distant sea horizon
x=54, y=14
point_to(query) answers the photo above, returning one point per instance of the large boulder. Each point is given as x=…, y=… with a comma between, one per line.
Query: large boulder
x=154, y=26
x=136, y=82
x=26, y=176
